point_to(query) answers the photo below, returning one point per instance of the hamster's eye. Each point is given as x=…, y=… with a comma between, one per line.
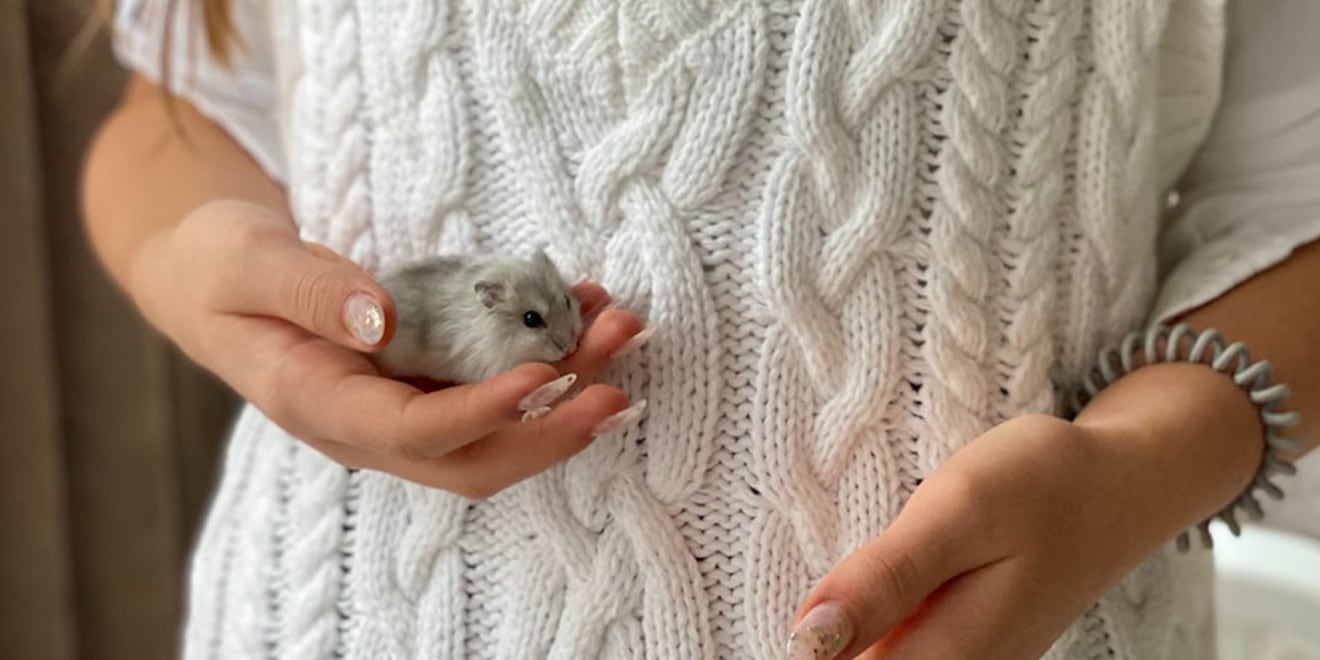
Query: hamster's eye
x=533, y=320
x=568, y=303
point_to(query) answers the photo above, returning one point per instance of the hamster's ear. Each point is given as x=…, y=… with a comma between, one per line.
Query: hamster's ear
x=542, y=261
x=490, y=293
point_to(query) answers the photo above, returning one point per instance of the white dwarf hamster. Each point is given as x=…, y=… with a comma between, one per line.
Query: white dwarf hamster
x=465, y=319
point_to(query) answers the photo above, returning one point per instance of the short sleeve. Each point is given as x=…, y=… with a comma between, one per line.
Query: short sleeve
x=239, y=95
x=1252, y=194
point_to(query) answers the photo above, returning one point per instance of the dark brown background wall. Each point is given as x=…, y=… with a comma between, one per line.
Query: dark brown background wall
x=108, y=438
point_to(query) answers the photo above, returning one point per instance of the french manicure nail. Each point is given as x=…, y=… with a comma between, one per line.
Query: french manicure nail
x=364, y=318
x=634, y=342
x=534, y=414
x=821, y=634
x=546, y=394
x=620, y=420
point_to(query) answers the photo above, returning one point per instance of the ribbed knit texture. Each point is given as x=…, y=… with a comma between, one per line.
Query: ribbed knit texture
x=865, y=231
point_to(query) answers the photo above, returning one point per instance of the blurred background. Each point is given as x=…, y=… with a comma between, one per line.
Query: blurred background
x=109, y=439
x=99, y=498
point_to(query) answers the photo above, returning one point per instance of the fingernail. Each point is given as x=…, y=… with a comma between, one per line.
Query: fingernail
x=364, y=318
x=587, y=278
x=620, y=420
x=533, y=414
x=546, y=394
x=634, y=342
x=821, y=634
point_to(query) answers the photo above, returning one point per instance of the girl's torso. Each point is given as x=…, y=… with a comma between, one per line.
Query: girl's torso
x=864, y=231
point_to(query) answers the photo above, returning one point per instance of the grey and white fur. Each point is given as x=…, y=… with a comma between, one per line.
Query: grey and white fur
x=464, y=319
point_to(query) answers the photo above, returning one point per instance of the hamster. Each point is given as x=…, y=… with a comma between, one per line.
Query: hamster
x=465, y=319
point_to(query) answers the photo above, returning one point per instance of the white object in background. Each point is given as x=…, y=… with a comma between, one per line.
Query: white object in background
x=1267, y=594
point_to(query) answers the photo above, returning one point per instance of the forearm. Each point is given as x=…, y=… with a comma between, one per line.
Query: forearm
x=1189, y=432
x=1277, y=315
x=146, y=170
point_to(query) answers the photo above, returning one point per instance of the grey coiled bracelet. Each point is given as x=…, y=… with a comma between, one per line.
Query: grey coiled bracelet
x=1181, y=343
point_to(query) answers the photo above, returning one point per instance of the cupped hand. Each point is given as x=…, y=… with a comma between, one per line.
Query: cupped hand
x=275, y=318
x=994, y=555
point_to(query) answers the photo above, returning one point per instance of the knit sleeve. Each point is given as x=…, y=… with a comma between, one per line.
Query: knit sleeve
x=1252, y=194
x=240, y=94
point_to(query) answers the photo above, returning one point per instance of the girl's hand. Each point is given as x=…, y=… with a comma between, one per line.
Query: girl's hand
x=1003, y=546
x=283, y=323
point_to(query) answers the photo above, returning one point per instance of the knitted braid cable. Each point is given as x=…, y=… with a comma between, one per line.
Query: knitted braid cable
x=1181, y=343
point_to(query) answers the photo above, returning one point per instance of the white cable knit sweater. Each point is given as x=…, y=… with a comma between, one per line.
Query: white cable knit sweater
x=865, y=232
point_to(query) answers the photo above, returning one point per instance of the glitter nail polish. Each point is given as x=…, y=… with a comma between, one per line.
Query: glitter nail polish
x=822, y=633
x=364, y=318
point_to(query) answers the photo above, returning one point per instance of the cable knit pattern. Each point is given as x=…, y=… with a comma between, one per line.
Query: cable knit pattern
x=1037, y=140
x=864, y=231
x=328, y=146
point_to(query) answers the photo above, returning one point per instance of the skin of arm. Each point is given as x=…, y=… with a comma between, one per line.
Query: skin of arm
x=1194, y=426
x=150, y=165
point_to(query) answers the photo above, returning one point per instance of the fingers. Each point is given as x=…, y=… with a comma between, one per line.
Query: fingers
x=592, y=298
x=468, y=439
x=314, y=388
x=865, y=596
x=602, y=342
x=526, y=449
x=398, y=420
x=483, y=468
x=967, y=618
x=295, y=305
x=308, y=285
x=883, y=582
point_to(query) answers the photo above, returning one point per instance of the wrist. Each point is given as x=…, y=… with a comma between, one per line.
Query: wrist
x=1184, y=439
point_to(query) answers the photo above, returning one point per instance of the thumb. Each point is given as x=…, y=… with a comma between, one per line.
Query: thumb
x=327, y=294
x=872, y=590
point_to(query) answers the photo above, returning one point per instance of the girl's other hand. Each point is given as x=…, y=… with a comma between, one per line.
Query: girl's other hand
x=286, y=324
x=1012, y=539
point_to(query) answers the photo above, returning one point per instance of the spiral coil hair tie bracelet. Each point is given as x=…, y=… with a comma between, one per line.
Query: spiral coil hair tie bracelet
x=1181, y=343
